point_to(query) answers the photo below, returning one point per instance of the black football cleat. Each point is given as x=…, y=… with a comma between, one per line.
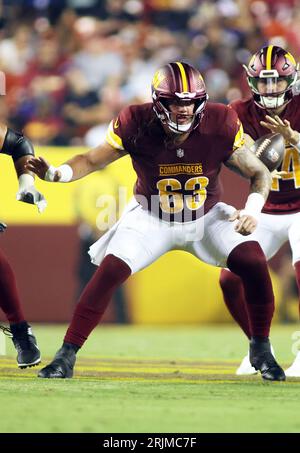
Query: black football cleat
x=262, y=359
x=62, y=365
x=25, y=343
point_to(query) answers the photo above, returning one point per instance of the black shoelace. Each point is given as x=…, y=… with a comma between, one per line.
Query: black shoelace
x=6, y=331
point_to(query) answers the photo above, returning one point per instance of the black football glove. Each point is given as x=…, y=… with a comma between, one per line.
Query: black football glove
x=3, y=227
x=32, y=196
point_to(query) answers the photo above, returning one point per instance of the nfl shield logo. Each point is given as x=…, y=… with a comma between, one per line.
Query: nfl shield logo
x=180, y=152
x=273, y=155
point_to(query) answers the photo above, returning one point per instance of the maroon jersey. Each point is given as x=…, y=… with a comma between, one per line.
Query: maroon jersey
x=178, y=183
x=284, y=197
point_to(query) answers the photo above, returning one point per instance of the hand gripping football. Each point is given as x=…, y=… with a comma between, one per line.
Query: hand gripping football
x=270, y=150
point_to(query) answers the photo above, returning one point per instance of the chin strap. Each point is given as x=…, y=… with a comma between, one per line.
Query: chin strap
x=272, y=103
x=175, y=128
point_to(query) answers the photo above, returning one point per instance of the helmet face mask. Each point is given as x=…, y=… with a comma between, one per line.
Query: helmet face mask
x=272, y=72
x=178, y=84
x=179, y=123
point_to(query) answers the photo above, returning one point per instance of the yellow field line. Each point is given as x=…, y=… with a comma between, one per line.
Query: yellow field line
x=142, y=371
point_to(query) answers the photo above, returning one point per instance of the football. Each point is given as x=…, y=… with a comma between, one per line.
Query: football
x=270, y=150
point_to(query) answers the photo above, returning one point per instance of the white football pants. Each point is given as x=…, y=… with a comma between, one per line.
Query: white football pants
x=274, y=230
x=139, y=238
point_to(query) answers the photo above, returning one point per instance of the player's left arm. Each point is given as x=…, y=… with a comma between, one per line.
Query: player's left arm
x=246, y=164
x=21, y=150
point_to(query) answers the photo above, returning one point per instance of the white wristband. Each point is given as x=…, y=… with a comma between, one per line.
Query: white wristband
x=254, y=204
x=25, y=181
x=65, y=170
x=297, y=146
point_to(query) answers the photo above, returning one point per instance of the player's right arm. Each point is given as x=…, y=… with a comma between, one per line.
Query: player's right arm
x=95, y=159
x=78, y=166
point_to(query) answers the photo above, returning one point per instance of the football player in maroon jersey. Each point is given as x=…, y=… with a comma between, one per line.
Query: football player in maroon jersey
x=272, y=74
x=177, y=144
x=20, y=149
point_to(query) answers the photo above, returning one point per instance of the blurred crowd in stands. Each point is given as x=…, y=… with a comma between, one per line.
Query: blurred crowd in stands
x=70, y=65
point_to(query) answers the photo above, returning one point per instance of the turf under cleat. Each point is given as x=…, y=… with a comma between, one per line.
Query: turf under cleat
x=262, y=359
x=25, y=343
x=294, y=369
x=62, y=365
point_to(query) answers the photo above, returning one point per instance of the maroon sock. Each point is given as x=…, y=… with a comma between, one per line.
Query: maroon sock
x=9, y=298
x=249, y=262
x=234, y=298
x=297, y=270
x=92, y=304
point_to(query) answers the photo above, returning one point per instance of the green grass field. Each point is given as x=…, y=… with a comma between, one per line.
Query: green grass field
x=150, y=379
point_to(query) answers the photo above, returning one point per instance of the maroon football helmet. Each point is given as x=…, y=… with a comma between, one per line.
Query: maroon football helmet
x=271, y=65
x=178, y=82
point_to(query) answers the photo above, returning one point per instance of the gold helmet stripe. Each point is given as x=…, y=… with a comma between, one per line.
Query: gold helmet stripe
x=269, y=58
x=183, y=76
x=290, y=57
